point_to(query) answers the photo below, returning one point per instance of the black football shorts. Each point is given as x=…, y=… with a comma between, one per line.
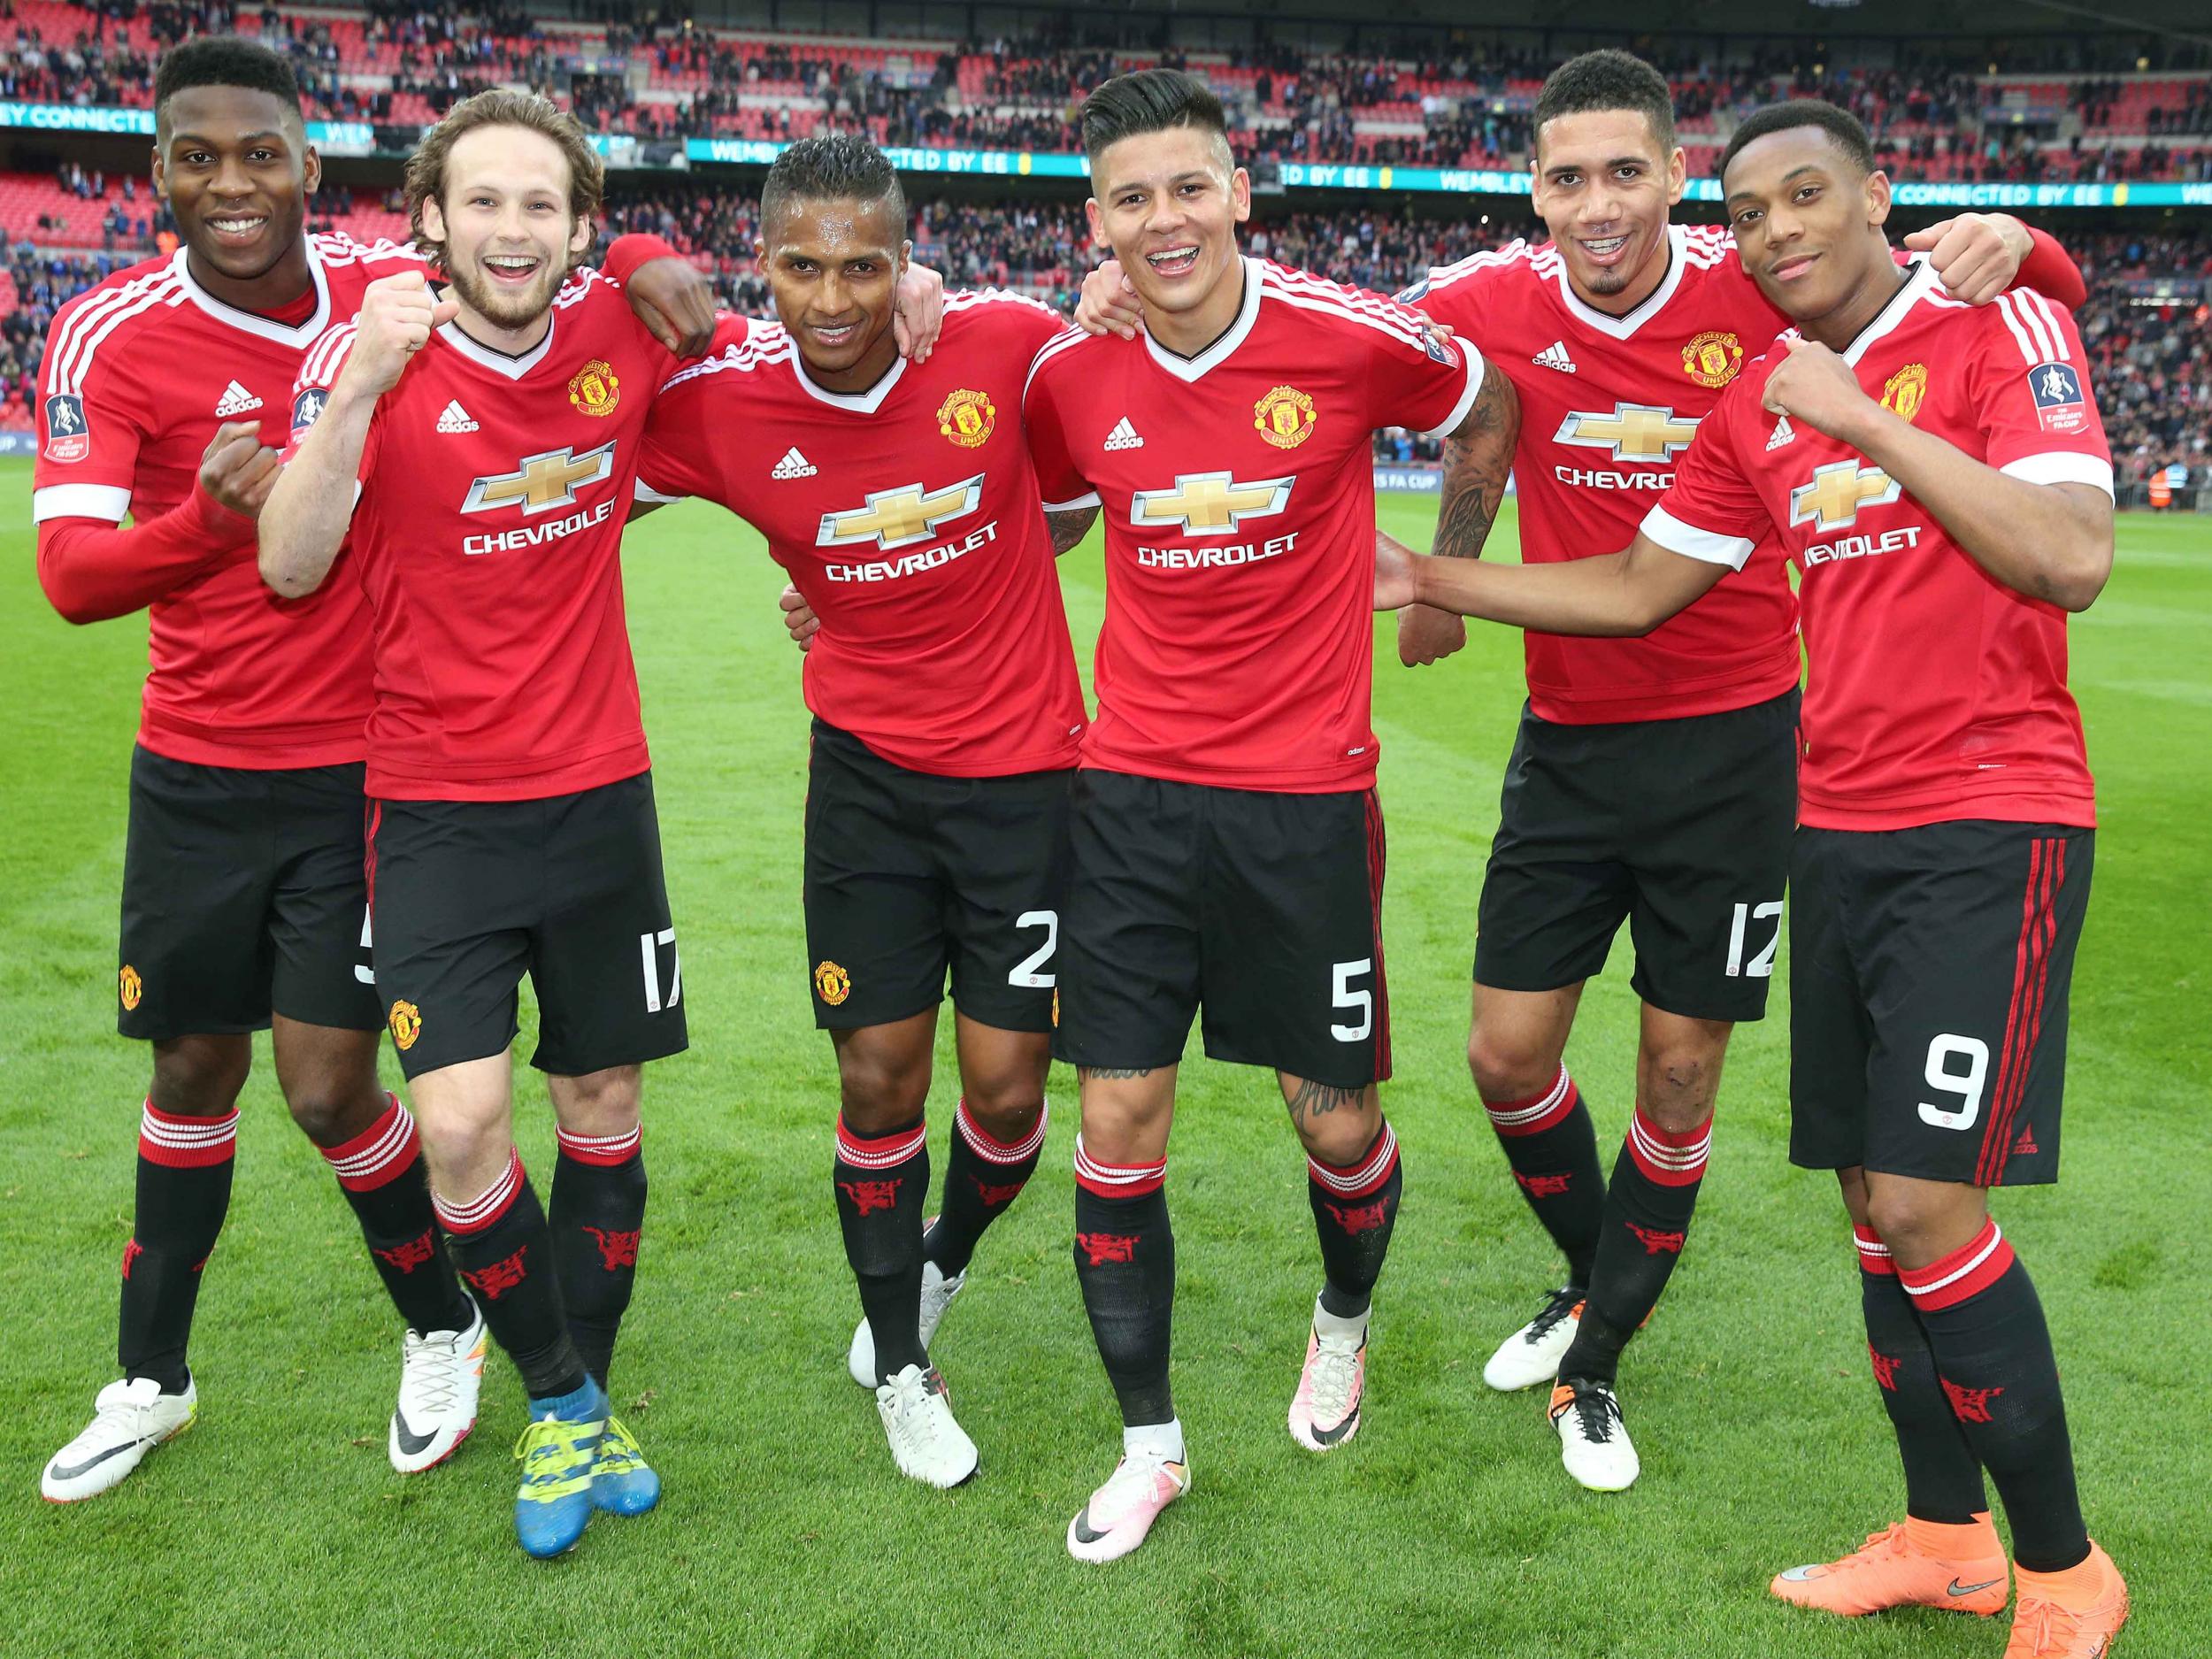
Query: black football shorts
x=469, y=895
x=243, y=895
x=910, y=874
x=1264, y=910
x=1679, y=827
x=1929, y=974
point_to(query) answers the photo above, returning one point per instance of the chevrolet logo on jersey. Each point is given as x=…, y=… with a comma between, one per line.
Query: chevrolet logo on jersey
x=900, y=517
x=1634, y=432
x=1206, y=503
x=1837, y=491
x=543, y=482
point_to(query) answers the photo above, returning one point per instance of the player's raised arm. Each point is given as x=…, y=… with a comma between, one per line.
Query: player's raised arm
x=304, y=520
x=1979, y=256
x=2042, y=525
x=1478, y=458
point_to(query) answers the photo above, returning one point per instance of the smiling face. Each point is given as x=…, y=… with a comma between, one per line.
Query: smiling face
x=1808, y=224
x=1603, y=185
x=833, y=267
x=1169, y=204
x=506, y=222
x=235, y=167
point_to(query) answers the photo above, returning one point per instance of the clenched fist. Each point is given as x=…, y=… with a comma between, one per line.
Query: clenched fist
x=397, y=314
x=239, y=470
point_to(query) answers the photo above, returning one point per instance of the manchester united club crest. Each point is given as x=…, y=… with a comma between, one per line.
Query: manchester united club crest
x=594, y=389
x=406, y=1023
x=1713, y=357
x=129, y=986
x=967, y=419
x=832, y=983
x=1904, y=392
x=1285, y=416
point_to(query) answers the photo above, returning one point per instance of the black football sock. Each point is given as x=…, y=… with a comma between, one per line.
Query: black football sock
x=380, y=1171
x=1355, y=1209
x=597, y=1214
x=1124, y=1262
x=1646, y=1222
x=505, y=1251
x=1943, y=1478
x=1992, y=1352
x=882, y=1186
x=184, y=1172
x=983, y=1177
x=1553, y=1148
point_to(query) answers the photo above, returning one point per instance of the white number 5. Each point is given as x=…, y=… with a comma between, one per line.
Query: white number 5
x=1967, y=1085
x=1345, y=996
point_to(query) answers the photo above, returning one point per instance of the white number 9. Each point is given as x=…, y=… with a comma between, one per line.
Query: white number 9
x=1945, y=1079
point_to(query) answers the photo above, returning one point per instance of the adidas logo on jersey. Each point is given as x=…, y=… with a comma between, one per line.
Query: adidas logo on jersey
x=1555, y=357
x=1124, y=436
x=455, y=418
x=235, y=400
x=793, y=466
x=1782, y=434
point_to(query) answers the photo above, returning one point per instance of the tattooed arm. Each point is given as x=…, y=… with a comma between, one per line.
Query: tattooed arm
x=1068, y=528
x=1477, y=457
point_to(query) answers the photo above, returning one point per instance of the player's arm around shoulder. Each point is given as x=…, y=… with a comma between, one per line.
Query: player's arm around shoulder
x=2036, y=515
x=304, y=521
x=1478, y=458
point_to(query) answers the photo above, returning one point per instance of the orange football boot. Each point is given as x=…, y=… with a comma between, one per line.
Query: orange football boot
x=2070, y=1614
x=1912, y=1564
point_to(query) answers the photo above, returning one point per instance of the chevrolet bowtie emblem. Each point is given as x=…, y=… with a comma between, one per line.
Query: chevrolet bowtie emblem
x=1634, y=432
x=1205, y=502
x=1832, y=500
x=543, y=481
x=894, y=517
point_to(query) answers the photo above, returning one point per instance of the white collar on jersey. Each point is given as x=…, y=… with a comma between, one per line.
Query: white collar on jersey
x=498, y=362
x=1191, y=369
x=1654, y=302
x=301, y=334
x=858, y=403
x=1920, y=280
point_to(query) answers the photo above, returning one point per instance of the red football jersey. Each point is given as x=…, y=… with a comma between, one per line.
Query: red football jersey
x=138, y=374
x=1239, y=497
x=1934, y=692
x=909, y=519
x=1608, y=406
x=488, y=535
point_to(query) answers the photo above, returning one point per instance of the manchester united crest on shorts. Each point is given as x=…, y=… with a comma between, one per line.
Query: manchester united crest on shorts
x=1713, y=357
x=406, y=1024
x=1904, y=392
x=1285, y=416
x=832, y=983
x=594, y=389
x=967, y=419
x=129, y=986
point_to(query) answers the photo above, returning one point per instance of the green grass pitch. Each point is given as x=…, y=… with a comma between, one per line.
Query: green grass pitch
x=278, y=1528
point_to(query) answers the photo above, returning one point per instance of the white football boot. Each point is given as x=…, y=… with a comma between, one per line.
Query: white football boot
x=440, y=1374
x=129, y=1418
x=1153, y=1472
x=926, y=1443
x=1531, y=1353
x=1594, y=1442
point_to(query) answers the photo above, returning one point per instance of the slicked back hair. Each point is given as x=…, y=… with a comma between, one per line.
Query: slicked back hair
x=426, y=167
x=1608, y=80
x=1150, y=101
x=1846, y=130
x=223, y=60
x=835, y=168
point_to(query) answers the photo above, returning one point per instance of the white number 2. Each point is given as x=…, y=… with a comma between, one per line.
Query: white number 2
x=1345, y=996
x=1761, y=966
x=649, y=960
x=1025, y=972
x=1967, y=1085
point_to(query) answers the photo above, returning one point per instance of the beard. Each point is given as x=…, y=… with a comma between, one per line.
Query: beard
x=506, y=307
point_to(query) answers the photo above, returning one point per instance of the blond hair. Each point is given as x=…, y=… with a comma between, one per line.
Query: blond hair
x=426, y=167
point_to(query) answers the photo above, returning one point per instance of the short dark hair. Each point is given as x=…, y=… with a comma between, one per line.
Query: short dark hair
x=224, y=60
x=835, y=168
x=1607, y=80
x=1148, y=101
x=1845, y=129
